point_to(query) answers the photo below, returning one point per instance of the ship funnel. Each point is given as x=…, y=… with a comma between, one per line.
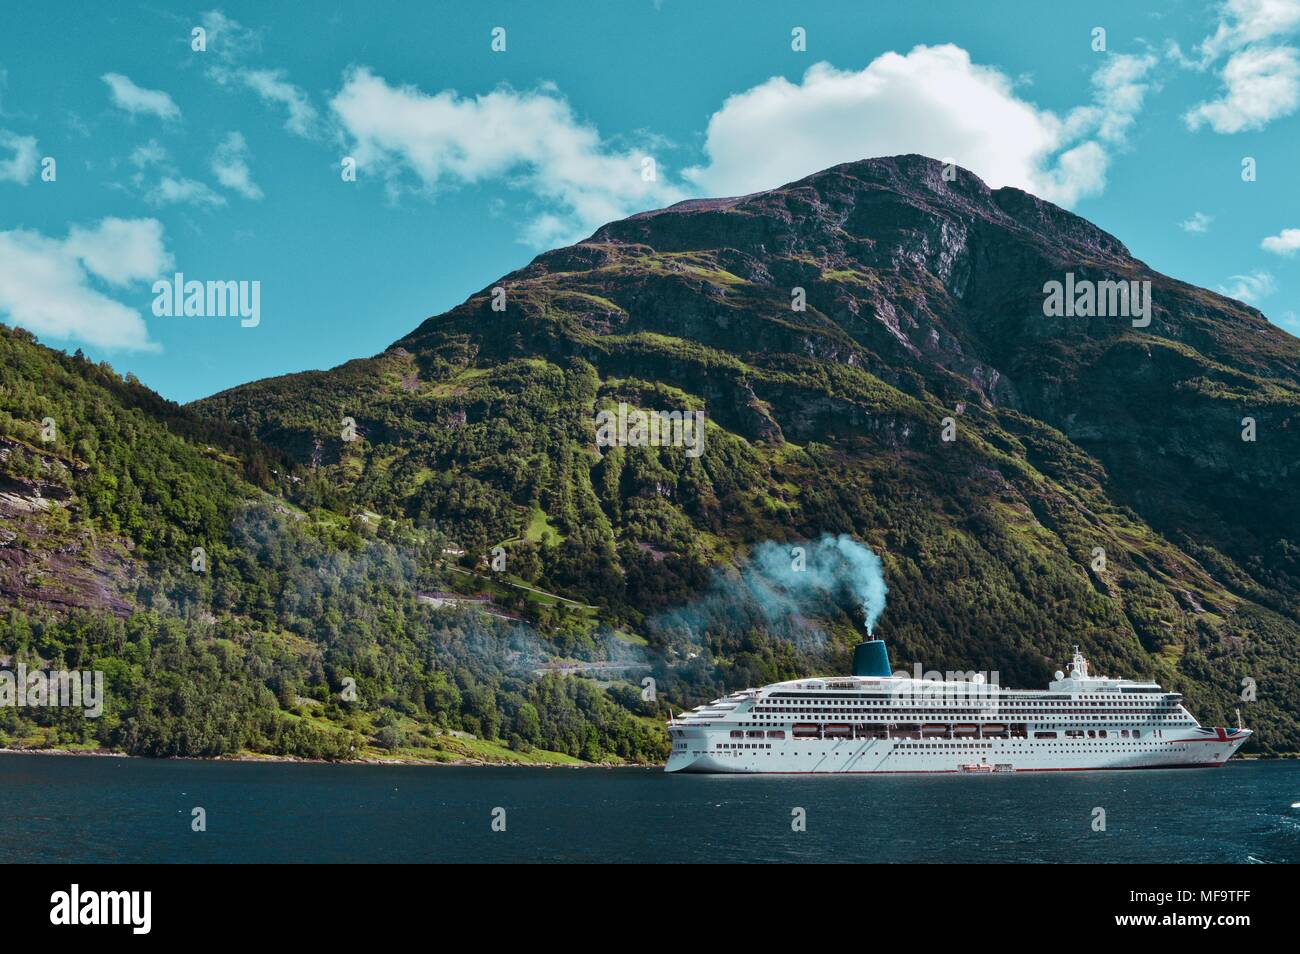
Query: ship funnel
x=871, y=658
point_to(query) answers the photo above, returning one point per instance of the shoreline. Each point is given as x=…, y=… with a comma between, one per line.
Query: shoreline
x=292, y=760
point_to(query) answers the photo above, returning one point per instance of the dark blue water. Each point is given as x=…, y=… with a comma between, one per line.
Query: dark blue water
x=107, y=809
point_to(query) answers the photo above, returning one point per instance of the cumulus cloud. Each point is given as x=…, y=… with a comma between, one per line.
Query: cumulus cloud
x=1261, y=74
x=48, y=286
x=1249, y=288
x=1261, y=84
x=1243, y=22
x=1286, y=242
x=529, y=139
x=230, y=166
x=121, y=251
x=932, y=100
x=1198, y=224
x=137, y=100
x=21, y=166
x=1119, y=88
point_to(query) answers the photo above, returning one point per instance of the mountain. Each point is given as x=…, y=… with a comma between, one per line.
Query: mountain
x=924, y=301
x=1096, y=488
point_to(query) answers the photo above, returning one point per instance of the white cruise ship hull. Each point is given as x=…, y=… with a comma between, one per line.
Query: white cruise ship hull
x=889, y=756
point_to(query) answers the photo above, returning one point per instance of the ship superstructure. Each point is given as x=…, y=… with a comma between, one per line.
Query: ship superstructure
x=878, y=722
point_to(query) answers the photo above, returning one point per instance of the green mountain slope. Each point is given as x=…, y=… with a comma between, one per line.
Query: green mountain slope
x=924, y=302
x=307, y=632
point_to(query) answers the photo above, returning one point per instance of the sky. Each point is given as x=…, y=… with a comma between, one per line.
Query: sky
x=371, y=165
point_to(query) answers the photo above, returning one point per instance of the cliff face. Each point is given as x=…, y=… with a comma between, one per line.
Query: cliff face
x=1078, y=440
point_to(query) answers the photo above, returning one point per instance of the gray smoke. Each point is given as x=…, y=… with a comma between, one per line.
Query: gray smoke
x=781, y=589
x=832, y=566
x=781, y=585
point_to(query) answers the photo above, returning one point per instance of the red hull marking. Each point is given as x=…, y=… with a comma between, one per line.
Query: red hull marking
x=1115, y=768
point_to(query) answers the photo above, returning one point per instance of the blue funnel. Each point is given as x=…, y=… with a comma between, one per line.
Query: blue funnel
x=871, y=658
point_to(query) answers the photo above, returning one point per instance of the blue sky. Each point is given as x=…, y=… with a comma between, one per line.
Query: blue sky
x=225, y=163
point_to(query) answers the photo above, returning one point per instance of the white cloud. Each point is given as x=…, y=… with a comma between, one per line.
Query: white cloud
x=1261, y=75
x=1262, y=84
x=135, y=99
x=228, y=39
x=933, y=101
x=230, y=166
x=529, y=139
x=232, y=43
x=148, y=154
x=1249, y=288
x=274, y=88
x=1289, y=322
x=21, y=166
x=1242, y=22
x=48, y=285
x=121, y=251
x=1198, y=224
x=1286, y=242
x=169, y=187
x=172, y=191
x=1119, y=87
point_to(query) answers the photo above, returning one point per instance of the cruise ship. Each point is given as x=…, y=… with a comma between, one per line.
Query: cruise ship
x=875, y=722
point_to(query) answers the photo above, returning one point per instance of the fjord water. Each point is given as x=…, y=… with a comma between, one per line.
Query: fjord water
x=89, y=809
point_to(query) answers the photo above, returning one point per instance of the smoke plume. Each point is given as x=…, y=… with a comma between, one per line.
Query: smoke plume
x=831, y=566
x=780, y=586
